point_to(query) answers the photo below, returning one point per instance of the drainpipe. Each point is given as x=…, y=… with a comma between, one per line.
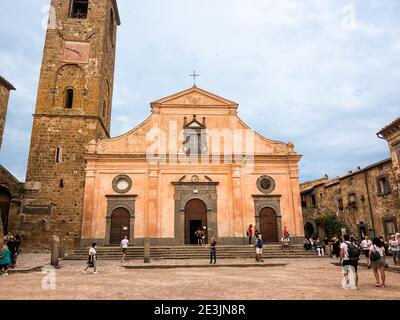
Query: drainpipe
x=369, y=202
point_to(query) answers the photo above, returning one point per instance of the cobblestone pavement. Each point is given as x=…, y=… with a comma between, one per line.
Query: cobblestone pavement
x=310, y=278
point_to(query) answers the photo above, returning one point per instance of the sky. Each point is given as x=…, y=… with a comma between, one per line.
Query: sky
x=323, y=74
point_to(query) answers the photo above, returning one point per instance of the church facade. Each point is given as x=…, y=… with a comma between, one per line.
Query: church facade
x=192, y=164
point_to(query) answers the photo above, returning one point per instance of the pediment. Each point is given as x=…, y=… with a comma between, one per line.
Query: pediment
x=194, y=96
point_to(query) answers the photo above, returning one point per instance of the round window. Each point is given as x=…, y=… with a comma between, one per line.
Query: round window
x=122, y=184
x=266, y=184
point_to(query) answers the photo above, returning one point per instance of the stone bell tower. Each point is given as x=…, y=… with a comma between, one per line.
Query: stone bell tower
x=73, y=107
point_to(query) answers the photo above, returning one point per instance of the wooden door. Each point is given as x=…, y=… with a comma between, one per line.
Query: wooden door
x=195, y=216
x=268, y=225
x=120, y=225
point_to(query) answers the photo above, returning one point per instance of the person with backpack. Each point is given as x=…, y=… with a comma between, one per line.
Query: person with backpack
x=377, y=256
x=350, y=254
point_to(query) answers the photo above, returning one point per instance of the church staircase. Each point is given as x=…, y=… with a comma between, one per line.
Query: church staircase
x=194, y=252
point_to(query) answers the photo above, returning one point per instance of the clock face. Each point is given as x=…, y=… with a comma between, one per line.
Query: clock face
x=76, y=52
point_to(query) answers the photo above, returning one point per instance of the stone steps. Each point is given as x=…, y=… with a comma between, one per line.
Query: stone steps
x=193, y=252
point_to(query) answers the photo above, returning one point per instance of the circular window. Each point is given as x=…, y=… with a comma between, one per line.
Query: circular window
x=266, y=184
x=195, y=179
x=122, y=184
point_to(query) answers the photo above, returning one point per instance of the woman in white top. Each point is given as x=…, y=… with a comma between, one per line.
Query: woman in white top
x=92, y=259
x=377, y=257
x=394, y=248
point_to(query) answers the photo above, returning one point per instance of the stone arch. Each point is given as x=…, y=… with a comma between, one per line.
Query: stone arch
x=308, y=230
x=270, y=234
x=195, y=217
x=69, y=76
x=115, y=202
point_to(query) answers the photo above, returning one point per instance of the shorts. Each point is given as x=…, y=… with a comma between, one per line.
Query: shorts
x=379, y=263
x=350, y=263
x=259, y=250
x=125, y=250
x=366, y=252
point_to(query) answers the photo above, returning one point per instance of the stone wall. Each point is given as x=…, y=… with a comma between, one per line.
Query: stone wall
x=5, y=88
x=371, y=209
x=79, y=55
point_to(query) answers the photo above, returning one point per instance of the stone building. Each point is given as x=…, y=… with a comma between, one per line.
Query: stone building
x=365, y=200
x=5, y=88
x=10, y=187
x=73, y=107
x=192, y=164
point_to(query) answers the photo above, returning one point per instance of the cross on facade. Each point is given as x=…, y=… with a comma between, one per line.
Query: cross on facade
x=194, y=76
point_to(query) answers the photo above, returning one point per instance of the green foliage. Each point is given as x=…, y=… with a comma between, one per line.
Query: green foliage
x=330, y=223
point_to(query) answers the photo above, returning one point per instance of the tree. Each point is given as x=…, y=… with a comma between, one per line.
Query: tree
x=330, y=223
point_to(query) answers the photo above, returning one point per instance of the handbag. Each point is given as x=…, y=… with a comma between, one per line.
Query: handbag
x=375, y=255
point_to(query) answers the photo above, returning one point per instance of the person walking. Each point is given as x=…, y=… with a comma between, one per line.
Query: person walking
x=5, y=259
x=250, y=233
x=336, y=247
x=377, y=257
x=326, y=245
x=394, y=248
x=124, y=247
x=365, y=245
x=259, y=249
x=213, y=250
x=350, y=263
x=92, y=260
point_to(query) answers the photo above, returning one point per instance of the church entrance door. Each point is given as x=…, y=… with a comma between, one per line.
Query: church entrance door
x=195, y=217
x=120, y=226
x=268, y=225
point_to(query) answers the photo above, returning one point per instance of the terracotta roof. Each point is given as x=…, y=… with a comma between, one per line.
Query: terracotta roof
x=7, y=84
x=392, y=125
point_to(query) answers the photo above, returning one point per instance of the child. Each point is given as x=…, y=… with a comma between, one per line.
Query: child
x=92, y=261
x=259, y=246
x=213, y=250
x=5, y=259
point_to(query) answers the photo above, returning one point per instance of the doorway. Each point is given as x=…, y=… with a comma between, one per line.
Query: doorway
x=5, y=198
x=195, y=217
x=120, y=225
x=268, y=225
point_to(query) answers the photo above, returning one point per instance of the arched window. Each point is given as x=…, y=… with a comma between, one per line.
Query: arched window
x=69, y=98
x=79, y=9
x=112, y=27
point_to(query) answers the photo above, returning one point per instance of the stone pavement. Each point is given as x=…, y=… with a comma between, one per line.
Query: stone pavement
x=310, y=278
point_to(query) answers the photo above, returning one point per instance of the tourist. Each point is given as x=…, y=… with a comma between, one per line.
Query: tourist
x=394, y=247
x=199, y=235
x=213, y=250
x=124, y=247
x=365, y=245
x=92, y=260
x=259, y=249
x=307, y=244
x=12, y=247
x=377, y=257
x=350, y=263
x=5, y=259
x=285, y=232
x=285, y=243
x=250, y=233
x=326, y=245
x=256, y=233
x=320, y=248
x=203, y=236
x=336, y=247
x=18, y=239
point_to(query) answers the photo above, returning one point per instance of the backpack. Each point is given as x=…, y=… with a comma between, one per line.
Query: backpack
x=353, y=252
x=375, y=255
